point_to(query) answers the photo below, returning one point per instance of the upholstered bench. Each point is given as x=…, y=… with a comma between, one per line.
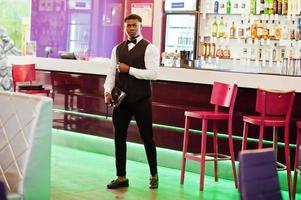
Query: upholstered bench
x=25, y=145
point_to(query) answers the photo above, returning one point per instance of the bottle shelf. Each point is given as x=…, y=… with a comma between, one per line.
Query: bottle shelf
x=252, y=41
x=248, y=14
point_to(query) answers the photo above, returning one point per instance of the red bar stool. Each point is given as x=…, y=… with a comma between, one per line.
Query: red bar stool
x=297, y=166
x=223, y=95
x=26, y=73
x=275, y=109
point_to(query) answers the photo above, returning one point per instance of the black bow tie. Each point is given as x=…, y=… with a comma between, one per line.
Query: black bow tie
x=134, y=41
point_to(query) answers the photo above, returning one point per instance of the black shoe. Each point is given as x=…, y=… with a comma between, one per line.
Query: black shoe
x=154, y=182
x=118, y=184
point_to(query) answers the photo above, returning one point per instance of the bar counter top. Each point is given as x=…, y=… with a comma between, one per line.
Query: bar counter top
x=186, y=75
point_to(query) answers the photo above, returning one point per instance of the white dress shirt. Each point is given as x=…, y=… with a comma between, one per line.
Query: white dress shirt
x=151, y=59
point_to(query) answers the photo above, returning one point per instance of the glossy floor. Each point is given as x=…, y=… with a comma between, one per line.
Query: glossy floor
x=82, y=175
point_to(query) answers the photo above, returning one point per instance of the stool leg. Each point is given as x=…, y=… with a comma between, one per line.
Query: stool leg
x=66, y=121
x=287, y=160
x=232, y=152
x=203, y=152
x=296, y=162
x=245, y=136
x=261, y=130
x=185, y=143
x=215, y=148
x=275, y=141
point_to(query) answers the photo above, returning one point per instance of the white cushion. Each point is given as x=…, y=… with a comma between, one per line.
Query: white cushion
x=25, y=144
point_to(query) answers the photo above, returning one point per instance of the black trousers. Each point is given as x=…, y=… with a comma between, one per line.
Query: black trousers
x=122, y=115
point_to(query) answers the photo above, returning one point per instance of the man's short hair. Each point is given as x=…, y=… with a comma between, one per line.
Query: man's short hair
x=133, y=16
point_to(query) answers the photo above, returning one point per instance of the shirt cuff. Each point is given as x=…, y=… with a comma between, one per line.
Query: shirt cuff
x=131, y=70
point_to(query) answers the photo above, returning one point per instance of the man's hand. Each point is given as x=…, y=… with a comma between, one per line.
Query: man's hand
x=109, y=99
x=123, y=68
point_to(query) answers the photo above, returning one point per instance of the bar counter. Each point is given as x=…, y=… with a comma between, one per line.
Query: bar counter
x=186, y=75
x=78, y=89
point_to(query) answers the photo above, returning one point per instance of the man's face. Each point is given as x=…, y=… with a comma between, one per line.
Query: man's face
x=133, y=27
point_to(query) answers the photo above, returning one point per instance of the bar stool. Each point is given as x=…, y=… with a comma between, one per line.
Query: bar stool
x=275, y=109
x=223, y=95
x=297, y=167
x=27, y=73
x=257, y=167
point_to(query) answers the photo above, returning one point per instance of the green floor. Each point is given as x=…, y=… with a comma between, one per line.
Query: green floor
x=81, y=172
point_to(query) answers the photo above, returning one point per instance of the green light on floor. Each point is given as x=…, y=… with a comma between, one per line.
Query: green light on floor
x=173, y=128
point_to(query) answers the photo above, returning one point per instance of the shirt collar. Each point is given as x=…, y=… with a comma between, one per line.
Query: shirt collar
x=140, y=37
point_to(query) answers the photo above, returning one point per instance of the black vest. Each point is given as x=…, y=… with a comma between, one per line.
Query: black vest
x=135, y=89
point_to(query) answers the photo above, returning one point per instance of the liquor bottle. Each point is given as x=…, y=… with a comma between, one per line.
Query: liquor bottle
x=212, y=50
x=233, y=31
x=216, y=6
x=274, y=53
x=228, y=8
x=290, y=7
x=285, y=32
x=244, y=6
x=222, y=7
x=253, y=7
x=253, y=53
x=241, y=30
x=248, y=30
x=235, y=7
x=244, y=55
x=214, y=28
x=266, y=53
x=221, y=27
x=271, y=6
x=266, y=6
x=266, y=31
x=226, y=31
x=203, y=49
x=226, y=53
x=275, y=6
x=284, y=7
x=278, y=31
x=293, y=31
x=219, y=52
x=260, y=30
x=279, y=7
x=261, y=8
x=299, y=29
x=254, y=30
x=260, y=54
x=272, y=30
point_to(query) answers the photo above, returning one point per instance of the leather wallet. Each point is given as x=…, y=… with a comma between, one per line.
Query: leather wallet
x=117, y=95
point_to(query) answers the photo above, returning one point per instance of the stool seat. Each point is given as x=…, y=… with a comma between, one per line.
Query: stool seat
x=207, y=115
x=267, y=120
x=223, y=95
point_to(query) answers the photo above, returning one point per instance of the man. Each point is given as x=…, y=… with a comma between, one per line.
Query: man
x=134, y=63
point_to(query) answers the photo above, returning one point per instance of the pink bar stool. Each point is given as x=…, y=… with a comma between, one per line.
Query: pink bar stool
x=223, y=95
x=27, y=73
x=275, y=109
x=297, y=167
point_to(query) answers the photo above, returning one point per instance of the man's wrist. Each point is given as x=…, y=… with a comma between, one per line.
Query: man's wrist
x=107, y=93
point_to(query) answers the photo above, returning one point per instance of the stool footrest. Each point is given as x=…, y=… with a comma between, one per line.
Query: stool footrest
x=298, y=169
x=209, y=157
x=280, y=166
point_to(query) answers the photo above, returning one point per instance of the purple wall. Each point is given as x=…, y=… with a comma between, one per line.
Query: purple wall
x=99, y=26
